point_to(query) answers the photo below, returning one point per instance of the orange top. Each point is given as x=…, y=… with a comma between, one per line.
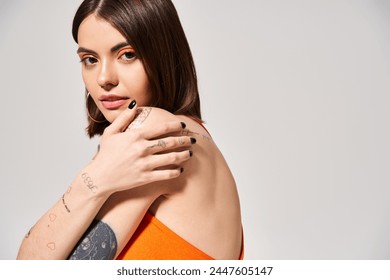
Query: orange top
x=154, y=241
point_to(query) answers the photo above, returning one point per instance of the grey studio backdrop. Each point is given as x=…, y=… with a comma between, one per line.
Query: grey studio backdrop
x=295, y=93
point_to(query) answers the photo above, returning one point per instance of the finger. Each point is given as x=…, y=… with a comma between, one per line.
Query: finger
x=157, y=130
x=167, y=174
x=169, y=143
x=123, y=120
x=166, y=161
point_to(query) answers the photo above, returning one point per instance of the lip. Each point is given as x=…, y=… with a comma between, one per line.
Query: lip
x=112, y=101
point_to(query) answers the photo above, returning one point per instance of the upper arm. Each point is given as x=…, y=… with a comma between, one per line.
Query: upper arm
x=124, y=211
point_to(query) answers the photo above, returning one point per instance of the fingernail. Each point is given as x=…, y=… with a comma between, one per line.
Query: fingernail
x=132, y=104
x=183, y=125
x=193, y=140
x=191, y=153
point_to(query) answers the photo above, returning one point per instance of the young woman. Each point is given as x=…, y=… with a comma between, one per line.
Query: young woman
x=158, y=187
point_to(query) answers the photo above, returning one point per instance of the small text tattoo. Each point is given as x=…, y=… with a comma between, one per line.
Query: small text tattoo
x=88, y=182
x=64, y=203
x=142, y=114
x=97, y=243
x=160, y=143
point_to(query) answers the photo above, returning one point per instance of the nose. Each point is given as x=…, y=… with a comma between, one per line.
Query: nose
x=107, y=77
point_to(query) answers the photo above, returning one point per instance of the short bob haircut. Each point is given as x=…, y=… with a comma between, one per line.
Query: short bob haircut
x=153, y=29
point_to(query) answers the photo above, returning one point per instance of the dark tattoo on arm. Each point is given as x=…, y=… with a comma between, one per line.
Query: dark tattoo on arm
x=141, y=116
x=88, y=182
x=97, y=243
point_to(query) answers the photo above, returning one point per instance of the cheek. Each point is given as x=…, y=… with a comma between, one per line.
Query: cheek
x=138, y=86
x=144, y=97
x=144, y=83
x=87, y=79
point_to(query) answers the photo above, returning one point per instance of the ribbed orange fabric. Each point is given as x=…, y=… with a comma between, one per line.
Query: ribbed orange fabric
x=155, y=241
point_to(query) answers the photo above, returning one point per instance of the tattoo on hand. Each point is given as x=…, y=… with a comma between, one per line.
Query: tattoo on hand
x=88, y=182
x=187, y=132
x=97, y=243
x=142, y=114
x=160, y=143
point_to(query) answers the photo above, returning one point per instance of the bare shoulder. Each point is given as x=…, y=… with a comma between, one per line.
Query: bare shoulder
x=154, y=115
x=147, y=115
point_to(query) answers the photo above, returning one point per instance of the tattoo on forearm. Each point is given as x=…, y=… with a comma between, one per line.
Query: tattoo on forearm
x=52, y=217
x=160, y=143
x=142, y=114
x=97, y=243
x=64, y=203
x=51, y=246
x=88, y=182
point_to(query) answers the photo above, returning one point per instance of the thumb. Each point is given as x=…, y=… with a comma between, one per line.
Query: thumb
x=123, y=120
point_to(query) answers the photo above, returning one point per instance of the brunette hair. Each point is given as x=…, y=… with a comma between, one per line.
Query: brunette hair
x=153, y=29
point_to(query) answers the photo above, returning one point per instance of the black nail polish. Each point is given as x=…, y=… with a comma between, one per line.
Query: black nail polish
x=193, y=140
x=183, y=125
x=132, y=104
x=191, y=153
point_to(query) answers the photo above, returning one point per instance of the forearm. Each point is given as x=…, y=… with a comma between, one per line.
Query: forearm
x=57, y=232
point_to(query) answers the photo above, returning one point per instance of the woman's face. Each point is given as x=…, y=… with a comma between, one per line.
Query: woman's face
x=111, y=71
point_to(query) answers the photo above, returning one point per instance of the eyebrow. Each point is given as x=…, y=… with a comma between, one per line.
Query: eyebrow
x=113, y=49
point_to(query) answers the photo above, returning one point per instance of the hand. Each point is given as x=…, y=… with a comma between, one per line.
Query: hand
x=131, y=158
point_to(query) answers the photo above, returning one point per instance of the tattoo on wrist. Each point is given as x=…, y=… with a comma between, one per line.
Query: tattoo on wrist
x=88, y=182
x=160, y=143
x=142, y=114
x=64, y=203
x=97, y=243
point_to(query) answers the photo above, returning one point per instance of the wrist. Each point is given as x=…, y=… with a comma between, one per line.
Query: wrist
x=90, y=180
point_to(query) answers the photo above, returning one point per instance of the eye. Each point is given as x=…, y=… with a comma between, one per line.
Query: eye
x=128, y=56
x=89, y=60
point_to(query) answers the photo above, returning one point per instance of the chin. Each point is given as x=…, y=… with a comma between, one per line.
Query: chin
x=112, y=115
